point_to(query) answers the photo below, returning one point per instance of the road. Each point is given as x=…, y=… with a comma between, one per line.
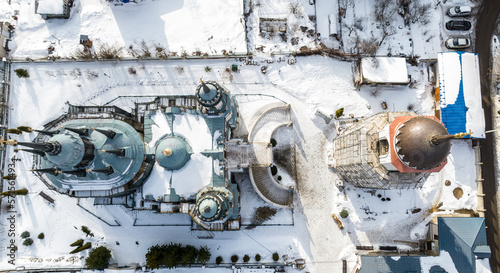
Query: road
x=484, y=30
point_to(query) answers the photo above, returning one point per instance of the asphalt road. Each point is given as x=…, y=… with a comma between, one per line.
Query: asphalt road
x=484, y=31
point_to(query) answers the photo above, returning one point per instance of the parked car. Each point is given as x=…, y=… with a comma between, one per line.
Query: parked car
x=458, y=25
x=459, y=11
x=457, y=43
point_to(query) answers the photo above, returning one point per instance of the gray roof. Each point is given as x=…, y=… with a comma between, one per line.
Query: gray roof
x=126, y=167
x=460, y=236
x=377, y=264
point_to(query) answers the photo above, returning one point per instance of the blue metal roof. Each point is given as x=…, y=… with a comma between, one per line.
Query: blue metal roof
x=459, y=236
x=126, y=167
x=460, y=93
x=377, y=264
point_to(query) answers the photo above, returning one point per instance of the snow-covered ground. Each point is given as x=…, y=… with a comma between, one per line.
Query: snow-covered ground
x=312, y=83
x=301, y=85
x=212, y=26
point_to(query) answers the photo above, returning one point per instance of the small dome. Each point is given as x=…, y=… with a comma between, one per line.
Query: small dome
x=212, y=206
x=72, y=151
x=208, y=208
x=414, y=144
x=208, y=94
x=173, y=152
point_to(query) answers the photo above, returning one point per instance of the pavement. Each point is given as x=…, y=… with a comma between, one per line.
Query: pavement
x=484, y=31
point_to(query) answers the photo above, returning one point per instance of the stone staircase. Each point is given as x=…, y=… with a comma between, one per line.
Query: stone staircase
x=260, y=174
x=268, y=189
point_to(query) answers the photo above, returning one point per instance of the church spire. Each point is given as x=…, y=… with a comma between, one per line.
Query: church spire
x=117, y=152
x=107, y=170
x=81, y=132
x=109, y=133
x=34, y=151
x=52, y=148
x=52, y=171
x=49, y=133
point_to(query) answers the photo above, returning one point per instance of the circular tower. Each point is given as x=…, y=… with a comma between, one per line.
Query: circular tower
x=211, y=98
x=212, y=206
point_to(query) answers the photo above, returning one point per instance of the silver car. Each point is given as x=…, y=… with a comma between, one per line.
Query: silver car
x=457, y=43
x=459, y=11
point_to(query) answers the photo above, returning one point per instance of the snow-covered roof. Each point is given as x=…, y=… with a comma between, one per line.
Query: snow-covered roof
x=460, y=93
x=197, y=172
x=50, y=7
x=384, y=70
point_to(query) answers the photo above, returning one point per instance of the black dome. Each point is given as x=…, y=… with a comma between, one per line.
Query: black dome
x=414, y=144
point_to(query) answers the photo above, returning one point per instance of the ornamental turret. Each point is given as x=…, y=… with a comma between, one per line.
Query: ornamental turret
x=212, y=206
x=63, y=150
x=212, y=98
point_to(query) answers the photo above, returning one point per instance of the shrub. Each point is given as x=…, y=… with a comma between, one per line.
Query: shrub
x=28, y=242
x=257, y=257
x=218, y=260
x=13, y=131
x=246, y=258
x=25, y=234
x=164, y=255
x=274, y=170
x=132, y=70
x=344, y=213
x=98, y=258
x=261, y=215
x=234, y=258
x=339, y=113
x=77, y=243
x=41, y=236
x=22, y=73
x=84, y=53
x=208, y=69
x=109, y=52
x=264, y=213
x=86, y=230
x=81, y=248
x=276, y=256
x=189, y=254
x=203, y=255
x=14, y=193
x=273, y=142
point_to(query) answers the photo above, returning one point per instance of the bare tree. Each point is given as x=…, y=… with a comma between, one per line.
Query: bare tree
x=343, y=5
x=144, y=49
x=384, y=10
x=295, y=8
x=366, y=47
x=109, y=52
x=84, y=53
x=418, y=12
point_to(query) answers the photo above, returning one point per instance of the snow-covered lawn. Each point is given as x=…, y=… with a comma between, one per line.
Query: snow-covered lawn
x=212, y=26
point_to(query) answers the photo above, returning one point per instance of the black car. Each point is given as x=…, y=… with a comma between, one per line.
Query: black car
x=458, y=25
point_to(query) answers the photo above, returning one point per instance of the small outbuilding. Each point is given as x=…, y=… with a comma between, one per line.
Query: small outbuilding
x=383, y=70
x=5, y=31
x=49, y=9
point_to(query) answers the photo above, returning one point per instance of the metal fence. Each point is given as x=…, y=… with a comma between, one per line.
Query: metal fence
x=4, y=111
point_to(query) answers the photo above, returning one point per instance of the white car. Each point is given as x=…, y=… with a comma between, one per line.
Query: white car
x=459, y=11
x=457, y=43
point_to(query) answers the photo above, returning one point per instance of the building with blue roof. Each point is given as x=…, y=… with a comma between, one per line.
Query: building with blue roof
x=173, y=154
x=463, y=239
x=458, y=93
